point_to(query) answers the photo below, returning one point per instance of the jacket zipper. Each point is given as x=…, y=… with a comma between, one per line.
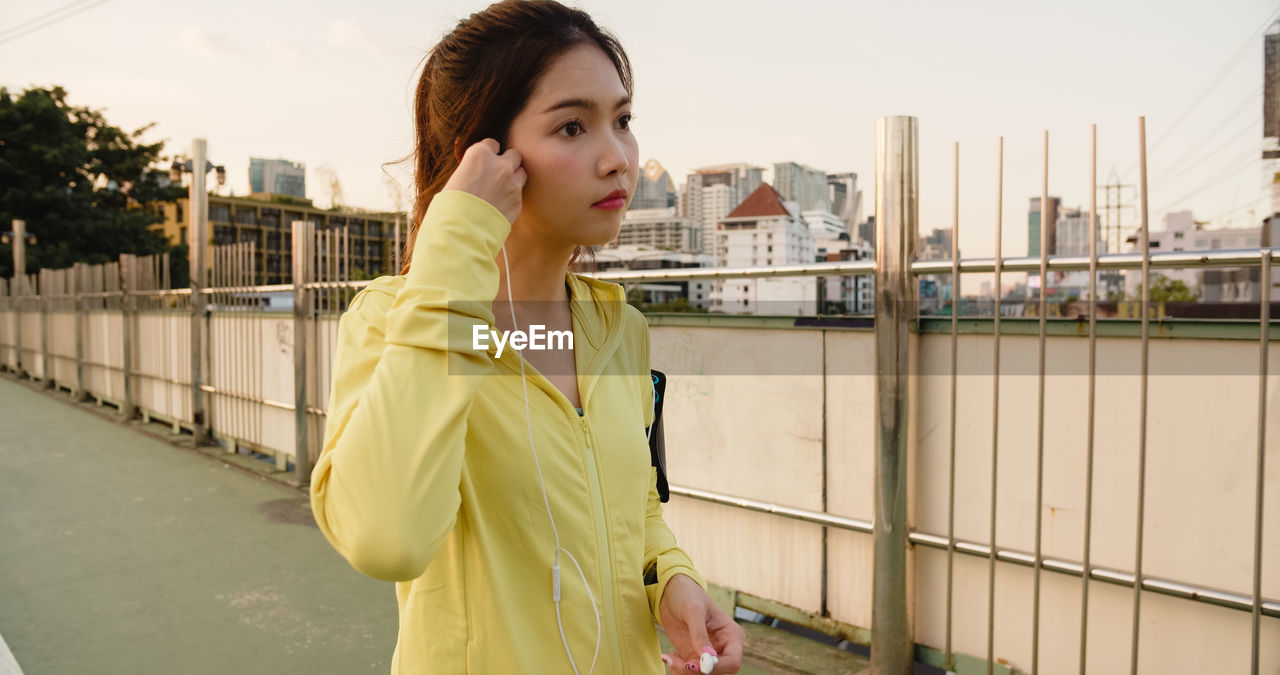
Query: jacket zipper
x=610, y=622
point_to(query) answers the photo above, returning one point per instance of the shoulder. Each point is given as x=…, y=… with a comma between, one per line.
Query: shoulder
x=634, y=319
x=371, y=303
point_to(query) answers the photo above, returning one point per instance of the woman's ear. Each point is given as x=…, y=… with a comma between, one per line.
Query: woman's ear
x=458, y=149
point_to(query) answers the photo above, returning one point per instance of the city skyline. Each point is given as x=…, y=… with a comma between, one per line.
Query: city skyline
x=334, y=91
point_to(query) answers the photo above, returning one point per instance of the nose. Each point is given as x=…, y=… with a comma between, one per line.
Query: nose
x=614, y=157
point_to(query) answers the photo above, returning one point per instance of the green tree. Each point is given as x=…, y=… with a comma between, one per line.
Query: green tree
x=86, y=189
x=1164, y=289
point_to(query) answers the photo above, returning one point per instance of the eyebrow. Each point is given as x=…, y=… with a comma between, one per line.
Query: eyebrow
x=583, y=103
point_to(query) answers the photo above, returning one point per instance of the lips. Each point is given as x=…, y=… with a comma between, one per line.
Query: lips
x=613, y=199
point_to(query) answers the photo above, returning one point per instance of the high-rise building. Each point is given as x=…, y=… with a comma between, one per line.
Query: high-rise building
x=368, y=238
x=845, y=198
x=654, y=188
x=277, y=177
x=764, y=230
x=659, y=229
x=802, y=184
x=867, y=231
x=850, y=293
x=935, y=245
x=1033, y=226
x=741, y=180
x=1072, y=234
x=633, y=257
x=1271, y=89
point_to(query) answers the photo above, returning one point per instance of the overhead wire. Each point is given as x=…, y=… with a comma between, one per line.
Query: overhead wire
x=47, y=19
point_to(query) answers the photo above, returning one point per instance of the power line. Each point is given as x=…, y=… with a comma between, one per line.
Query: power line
x=1213, y=83
x=1217, y=129
x=1239, y=163
x=42, y=17
x=1247, y=205
x=1168, y=178
x=45, y=20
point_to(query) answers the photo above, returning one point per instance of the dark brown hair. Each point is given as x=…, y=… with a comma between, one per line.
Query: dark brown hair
x=481, y=75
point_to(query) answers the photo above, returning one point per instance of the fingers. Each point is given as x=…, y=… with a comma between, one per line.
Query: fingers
x=729, y=642
x=726, y=639
x=696, y=620
x=514, y=156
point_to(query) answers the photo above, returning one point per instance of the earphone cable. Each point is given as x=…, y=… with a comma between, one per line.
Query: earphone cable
x=555, y=567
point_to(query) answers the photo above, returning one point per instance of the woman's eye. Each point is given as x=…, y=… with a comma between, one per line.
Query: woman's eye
x=572, y=125
x=626, y=121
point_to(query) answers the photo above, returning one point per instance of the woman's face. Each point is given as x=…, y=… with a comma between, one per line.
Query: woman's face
x=575, y=141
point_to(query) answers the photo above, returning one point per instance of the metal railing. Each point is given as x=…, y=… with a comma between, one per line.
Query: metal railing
x=127, y=321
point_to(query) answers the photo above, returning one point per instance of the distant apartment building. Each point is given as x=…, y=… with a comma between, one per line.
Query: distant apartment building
x=633, y=257
x=1072, y=233
x=277, y=177
x=823, y=223
x=1033, y=226
x=867, y=231
x=804, y=185
x=658, y=228
x=845, y=199
x=1181, y=232
x=654, y=188
x=764, y=231
x=706, y=202
x=369, y=236
x=935, y=246
x=847, y=294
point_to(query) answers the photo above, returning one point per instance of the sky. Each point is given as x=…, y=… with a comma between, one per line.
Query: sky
x=330, y=84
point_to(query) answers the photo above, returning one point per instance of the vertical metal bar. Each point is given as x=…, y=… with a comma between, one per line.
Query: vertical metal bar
x=1142, y=409
x=995, y=413
x=46, y=288
x=254, y=317
x=1044, y=304
x=897, y=208
x=301, y=253
x=19, y=289
x=197, y=237
x=78, y=283
x=215, y=326
x=1264, y=340
x=242, y=356
x=1093, y=371
x=235, y=255
x=955, y=323
x=126, y=271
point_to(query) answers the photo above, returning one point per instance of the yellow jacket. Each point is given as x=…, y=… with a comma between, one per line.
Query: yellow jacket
x=425, y=477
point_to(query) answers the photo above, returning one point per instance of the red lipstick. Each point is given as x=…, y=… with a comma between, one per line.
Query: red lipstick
x=614, y=200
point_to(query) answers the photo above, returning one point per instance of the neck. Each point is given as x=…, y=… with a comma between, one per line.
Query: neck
x=537, y=269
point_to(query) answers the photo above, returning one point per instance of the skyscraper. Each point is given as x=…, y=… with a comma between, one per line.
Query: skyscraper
x=802, y=184
x=277, y=176
x=740, y=180
x=1051, y=222
x=654, y=188
x=845, y=198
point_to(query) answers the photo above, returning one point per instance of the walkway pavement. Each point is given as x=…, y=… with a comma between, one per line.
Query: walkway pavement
x=123, y=553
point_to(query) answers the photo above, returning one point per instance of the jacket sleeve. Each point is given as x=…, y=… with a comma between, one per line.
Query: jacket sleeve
x=661, y=554
x=385, y=489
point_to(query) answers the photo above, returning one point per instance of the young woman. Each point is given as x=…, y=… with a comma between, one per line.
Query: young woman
x=509, y=493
